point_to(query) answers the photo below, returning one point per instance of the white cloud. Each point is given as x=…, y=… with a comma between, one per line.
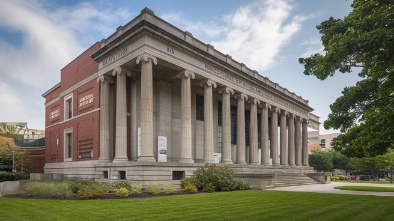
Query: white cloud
x=51, y=36
x=253, y=34
x=313, y=46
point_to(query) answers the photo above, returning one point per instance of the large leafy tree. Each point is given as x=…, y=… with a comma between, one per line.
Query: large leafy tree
x=321, y=160
x=363, y=40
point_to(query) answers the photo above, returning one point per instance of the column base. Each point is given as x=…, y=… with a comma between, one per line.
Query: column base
x=186, y=160
x=209, y=161
x=284, y=164
x=146, y=159
x=227, y=162
x=298, y=165
x=242, y=163
x=107, y=160
x=120, y=160
x=254, y=163
x=275, y=164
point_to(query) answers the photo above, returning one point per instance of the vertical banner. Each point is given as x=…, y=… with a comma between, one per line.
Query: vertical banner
x=162, y=149
x=139, y=142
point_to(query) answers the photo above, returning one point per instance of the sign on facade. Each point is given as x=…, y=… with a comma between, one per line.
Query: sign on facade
x=162, y=149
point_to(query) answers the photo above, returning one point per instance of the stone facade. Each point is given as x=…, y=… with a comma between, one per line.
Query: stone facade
x=151, y=80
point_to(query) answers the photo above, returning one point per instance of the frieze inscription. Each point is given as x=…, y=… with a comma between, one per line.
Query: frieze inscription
x=115, y=56
x=250, y=87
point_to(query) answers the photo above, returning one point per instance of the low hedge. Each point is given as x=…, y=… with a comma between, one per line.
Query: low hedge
x=8, y=176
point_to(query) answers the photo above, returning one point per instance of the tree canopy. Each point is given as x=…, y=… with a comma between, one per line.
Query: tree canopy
x=364, y=40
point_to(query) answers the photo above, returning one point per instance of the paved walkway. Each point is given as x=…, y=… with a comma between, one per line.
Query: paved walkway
x=329, y=188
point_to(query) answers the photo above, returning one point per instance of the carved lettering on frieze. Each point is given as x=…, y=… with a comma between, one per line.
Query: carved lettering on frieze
x=115, y=56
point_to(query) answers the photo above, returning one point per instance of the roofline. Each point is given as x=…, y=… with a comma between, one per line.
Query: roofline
x=51, y=90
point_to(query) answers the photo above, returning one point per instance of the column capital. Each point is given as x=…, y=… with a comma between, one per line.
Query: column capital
x=265, y=105
x=121, y=70
x=283, y=112
x=292, y=115
x=275, y=109
x=103, y=78
x=146, y=57
x=241, y=96
x=254, y=101
x=186, y=74
x=226, y=90
x=207, y=82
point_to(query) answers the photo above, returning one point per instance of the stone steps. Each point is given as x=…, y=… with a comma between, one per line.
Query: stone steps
x=292, y=180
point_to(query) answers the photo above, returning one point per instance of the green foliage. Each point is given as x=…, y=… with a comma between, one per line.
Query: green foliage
x=242, y=185
x=364, y=39
x=8, y=129
x=153, y=188
x=75, y=185
x=218, y=176
x=209, y=188
x=135, y=189
x=122, y=192
x=8, y=176
x=366, y=188
x=321, y=160
x=334, y=178
x=190, y=188
x=169, y=189
x=60, y=190
x=186, y=181
x=93, y=190
x=122, y=184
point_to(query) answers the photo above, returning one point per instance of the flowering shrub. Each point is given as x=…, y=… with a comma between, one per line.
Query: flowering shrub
x=135, y=189
x=122, y=192
x=190, y=188
x=122, y=184
x=169, y=189
x=153, y=188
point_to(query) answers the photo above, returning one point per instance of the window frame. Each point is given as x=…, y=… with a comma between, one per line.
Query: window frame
x=68, y=106
x=68, y=144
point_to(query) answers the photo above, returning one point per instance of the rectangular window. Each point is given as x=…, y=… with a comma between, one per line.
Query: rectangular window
x=178, y=175
x=105, y=174
x=68, y=106
x=233, y=125
x=322, y=141
x=122, y=175
x=199, y=107
x=68, y=149
x=247, y=124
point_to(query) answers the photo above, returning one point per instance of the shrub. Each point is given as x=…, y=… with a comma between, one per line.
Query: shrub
x=153, y=188
x=75, y=185
x=209, y=188
x=135, y=189
x=122, y=192
x=342, y=177
x=334, y=178
x=8, y=176
x=122, y=184
x=93, y=190
x=60, y=190
x=218, y=176
x=190, y=188
x=169, y=189
x=242, y=185
x=186, y=181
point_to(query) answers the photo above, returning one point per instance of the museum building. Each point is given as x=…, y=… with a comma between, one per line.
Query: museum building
x=151, y=102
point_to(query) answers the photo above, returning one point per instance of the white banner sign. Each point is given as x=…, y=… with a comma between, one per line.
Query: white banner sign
x=162, y=149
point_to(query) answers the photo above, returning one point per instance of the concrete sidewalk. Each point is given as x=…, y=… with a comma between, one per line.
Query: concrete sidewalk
x=329, y=188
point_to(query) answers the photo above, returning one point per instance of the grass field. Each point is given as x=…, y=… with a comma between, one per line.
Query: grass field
x=241, y=205
x=360, y=181
x=366, y=188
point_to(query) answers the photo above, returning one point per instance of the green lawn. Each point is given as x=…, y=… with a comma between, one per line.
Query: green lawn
x=241, y=205
x=366, y=188
x=361, y=181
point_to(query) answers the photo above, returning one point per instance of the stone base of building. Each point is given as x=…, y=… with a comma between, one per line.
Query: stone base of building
x=258, y=176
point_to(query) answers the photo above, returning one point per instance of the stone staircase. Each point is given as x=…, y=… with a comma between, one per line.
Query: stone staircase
x=284, y=180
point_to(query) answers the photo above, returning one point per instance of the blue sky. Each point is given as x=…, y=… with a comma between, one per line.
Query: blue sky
x=39, y=37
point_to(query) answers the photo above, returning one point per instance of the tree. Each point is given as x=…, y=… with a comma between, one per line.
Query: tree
x=386, y=161
x=364, y=39
x=8, y=128
x=6, y=144
x=339, y=161
x=320, y=160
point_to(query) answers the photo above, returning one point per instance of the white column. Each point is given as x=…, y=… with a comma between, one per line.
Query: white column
x=253, y=133
x=274, y=135
x=290, y=144
x=186, y=149
x=265, y=155
x=297, y=142
x=146, y=107
x=241, y=127
x=104, y=118
x=226, y=124
x=208, y=120
x=305, y=143
x=121, y=116
x=283, y=138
